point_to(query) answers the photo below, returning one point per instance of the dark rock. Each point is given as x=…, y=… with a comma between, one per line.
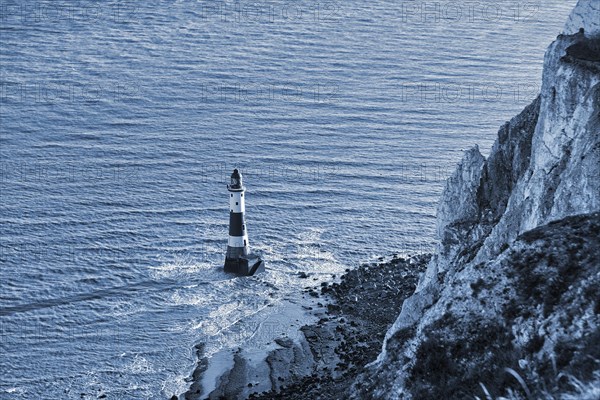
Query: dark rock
x=353, y=332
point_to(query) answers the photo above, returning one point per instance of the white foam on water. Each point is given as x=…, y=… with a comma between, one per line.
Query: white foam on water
x=183, y=268
x=126, y=309
x=16, y=390
x=174, y=383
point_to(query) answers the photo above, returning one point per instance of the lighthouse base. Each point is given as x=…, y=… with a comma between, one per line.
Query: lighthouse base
x=245, y=265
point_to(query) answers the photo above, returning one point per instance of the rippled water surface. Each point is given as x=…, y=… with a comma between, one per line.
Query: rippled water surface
x=120, y=122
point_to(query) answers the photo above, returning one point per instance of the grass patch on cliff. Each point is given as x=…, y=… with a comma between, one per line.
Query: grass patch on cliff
x=553, y=260
x=555, y=274
x=578, y=359
x=457, y=354
x=455, y=361
x=571, y=371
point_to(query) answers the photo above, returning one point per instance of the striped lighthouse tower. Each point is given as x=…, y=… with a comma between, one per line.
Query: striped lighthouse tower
x=237, y=246
x=238, y=258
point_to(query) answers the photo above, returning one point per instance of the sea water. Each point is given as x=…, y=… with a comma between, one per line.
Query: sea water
x=120, y=123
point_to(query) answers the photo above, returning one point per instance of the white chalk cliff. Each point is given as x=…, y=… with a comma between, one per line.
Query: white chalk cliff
x=539, y=187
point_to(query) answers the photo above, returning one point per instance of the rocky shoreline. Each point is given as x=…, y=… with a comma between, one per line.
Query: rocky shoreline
x=362, y=308
x=354, y=315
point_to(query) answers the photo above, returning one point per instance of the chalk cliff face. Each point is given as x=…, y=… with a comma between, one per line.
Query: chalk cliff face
x=543, y=171
x=585, y=15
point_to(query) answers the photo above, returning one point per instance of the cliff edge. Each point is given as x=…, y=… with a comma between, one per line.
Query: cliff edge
x=516, y=275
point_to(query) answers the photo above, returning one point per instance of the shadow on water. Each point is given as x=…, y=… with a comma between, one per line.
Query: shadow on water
x=151, y=285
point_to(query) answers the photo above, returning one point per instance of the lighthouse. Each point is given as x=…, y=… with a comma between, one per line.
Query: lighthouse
x=238, y=258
